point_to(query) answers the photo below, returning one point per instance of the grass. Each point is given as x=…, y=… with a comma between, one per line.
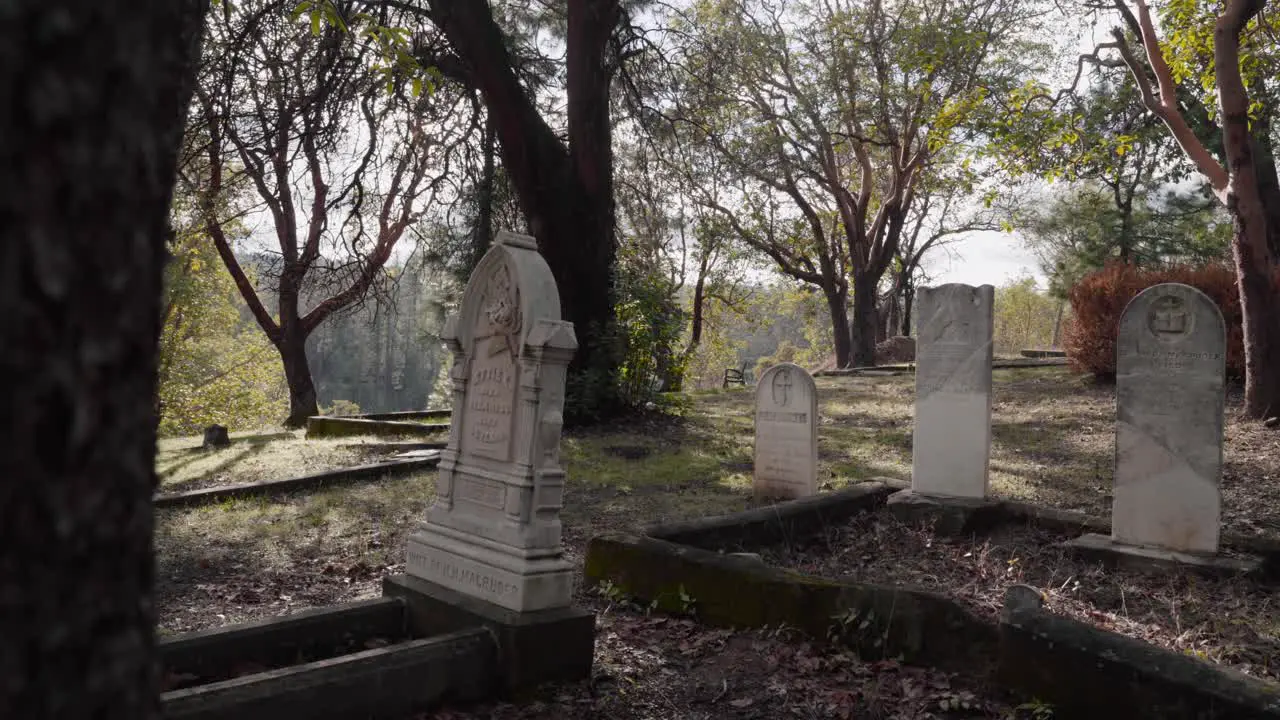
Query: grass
x=181, y=464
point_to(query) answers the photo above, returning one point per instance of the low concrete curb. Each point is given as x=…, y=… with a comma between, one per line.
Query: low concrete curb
x=332, y=427
x=901, y=368
x=1087, y=672
x=329, y=477
x=389, y=682
x=1078, y=669
x=280, y=640
x=780, y=522
x=735, y=591
x=406, y=415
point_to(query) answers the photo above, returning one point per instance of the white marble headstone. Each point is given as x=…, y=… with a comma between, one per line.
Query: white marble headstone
x=786, y=455
x=1170, y=372
x=494, y=530
x=952, y=442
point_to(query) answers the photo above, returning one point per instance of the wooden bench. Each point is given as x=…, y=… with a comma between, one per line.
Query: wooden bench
x=734, y=376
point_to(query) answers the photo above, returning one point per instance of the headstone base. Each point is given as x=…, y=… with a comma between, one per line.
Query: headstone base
x=1152, y=559
x=946, y=515
x=487, y=573
x=554, y=645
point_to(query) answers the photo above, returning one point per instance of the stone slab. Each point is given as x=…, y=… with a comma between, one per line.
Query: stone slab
x=556, y=645
x=951, y=444
x=391, y=682
x=786, y=433
x=1153, y=559
x=946, y=515
x=1170, y=377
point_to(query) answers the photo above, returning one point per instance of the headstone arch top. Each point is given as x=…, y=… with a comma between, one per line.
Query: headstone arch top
x=786, y=448
x=494, y=530
x=1170, y=382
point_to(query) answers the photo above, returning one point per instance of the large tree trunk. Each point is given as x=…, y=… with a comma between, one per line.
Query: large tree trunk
x=566, y=196
x=1251, y=246
x=863, y=325
x=303, y=402
x=95, y=98
x=1260, y=305
x=838, y=306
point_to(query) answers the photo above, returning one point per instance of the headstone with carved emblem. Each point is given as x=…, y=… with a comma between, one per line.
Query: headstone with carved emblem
x=494, y=530
x=1170, y=373
x=786, y=455
x=952, y=440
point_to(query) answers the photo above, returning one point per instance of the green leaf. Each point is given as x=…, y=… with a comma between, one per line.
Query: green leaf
x=315, y=23
x=301, y=8
x=417, y=87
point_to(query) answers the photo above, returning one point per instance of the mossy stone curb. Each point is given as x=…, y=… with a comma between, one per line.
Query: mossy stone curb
x=734, y=591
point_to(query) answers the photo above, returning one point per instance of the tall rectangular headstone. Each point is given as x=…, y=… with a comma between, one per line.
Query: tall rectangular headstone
x=952, y=443
x=494, y=530
x=786, y=454
x=1170, y=373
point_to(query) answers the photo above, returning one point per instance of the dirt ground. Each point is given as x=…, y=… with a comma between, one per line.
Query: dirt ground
x=1052, y=445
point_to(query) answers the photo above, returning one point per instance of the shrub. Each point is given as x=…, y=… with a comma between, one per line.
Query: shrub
x=1099, y=299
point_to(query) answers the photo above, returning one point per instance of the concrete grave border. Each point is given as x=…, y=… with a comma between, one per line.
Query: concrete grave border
x=396, y=680
x=374, y=471
x=910, y=368
x=688, y=566
x=321, y=426
x=449, y=648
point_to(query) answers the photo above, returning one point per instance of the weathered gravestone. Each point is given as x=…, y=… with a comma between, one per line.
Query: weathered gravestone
x=786, y=454
x=952, y=442
x=1170, y=371
x=494, y=530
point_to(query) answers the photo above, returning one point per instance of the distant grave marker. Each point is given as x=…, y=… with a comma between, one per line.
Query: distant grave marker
x=786, y=451
x=952, y=442
x=494, y=530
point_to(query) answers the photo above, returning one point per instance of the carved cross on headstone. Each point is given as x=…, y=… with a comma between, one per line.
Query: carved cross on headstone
x=1168, y=316
x=781, y=387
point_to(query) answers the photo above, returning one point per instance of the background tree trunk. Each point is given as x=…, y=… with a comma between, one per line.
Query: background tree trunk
x=95, y=97
x=863, y=328
x=838, y=306
x=303, y=401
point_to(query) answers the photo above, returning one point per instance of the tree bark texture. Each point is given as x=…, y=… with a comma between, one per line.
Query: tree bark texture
x=863, y=326
x=1251, y=248
x=838, y=306
x=566, y=193
x=92, y=103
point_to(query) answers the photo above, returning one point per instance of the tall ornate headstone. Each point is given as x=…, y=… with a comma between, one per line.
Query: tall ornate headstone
x=952, y=442
x=494, y=530
x=1170, y=372
x=786, y=456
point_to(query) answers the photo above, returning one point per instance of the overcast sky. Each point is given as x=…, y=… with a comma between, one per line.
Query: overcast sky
x=985, y=258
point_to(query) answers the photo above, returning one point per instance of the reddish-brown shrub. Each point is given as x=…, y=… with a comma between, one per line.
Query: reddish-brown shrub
x=1098, y=300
